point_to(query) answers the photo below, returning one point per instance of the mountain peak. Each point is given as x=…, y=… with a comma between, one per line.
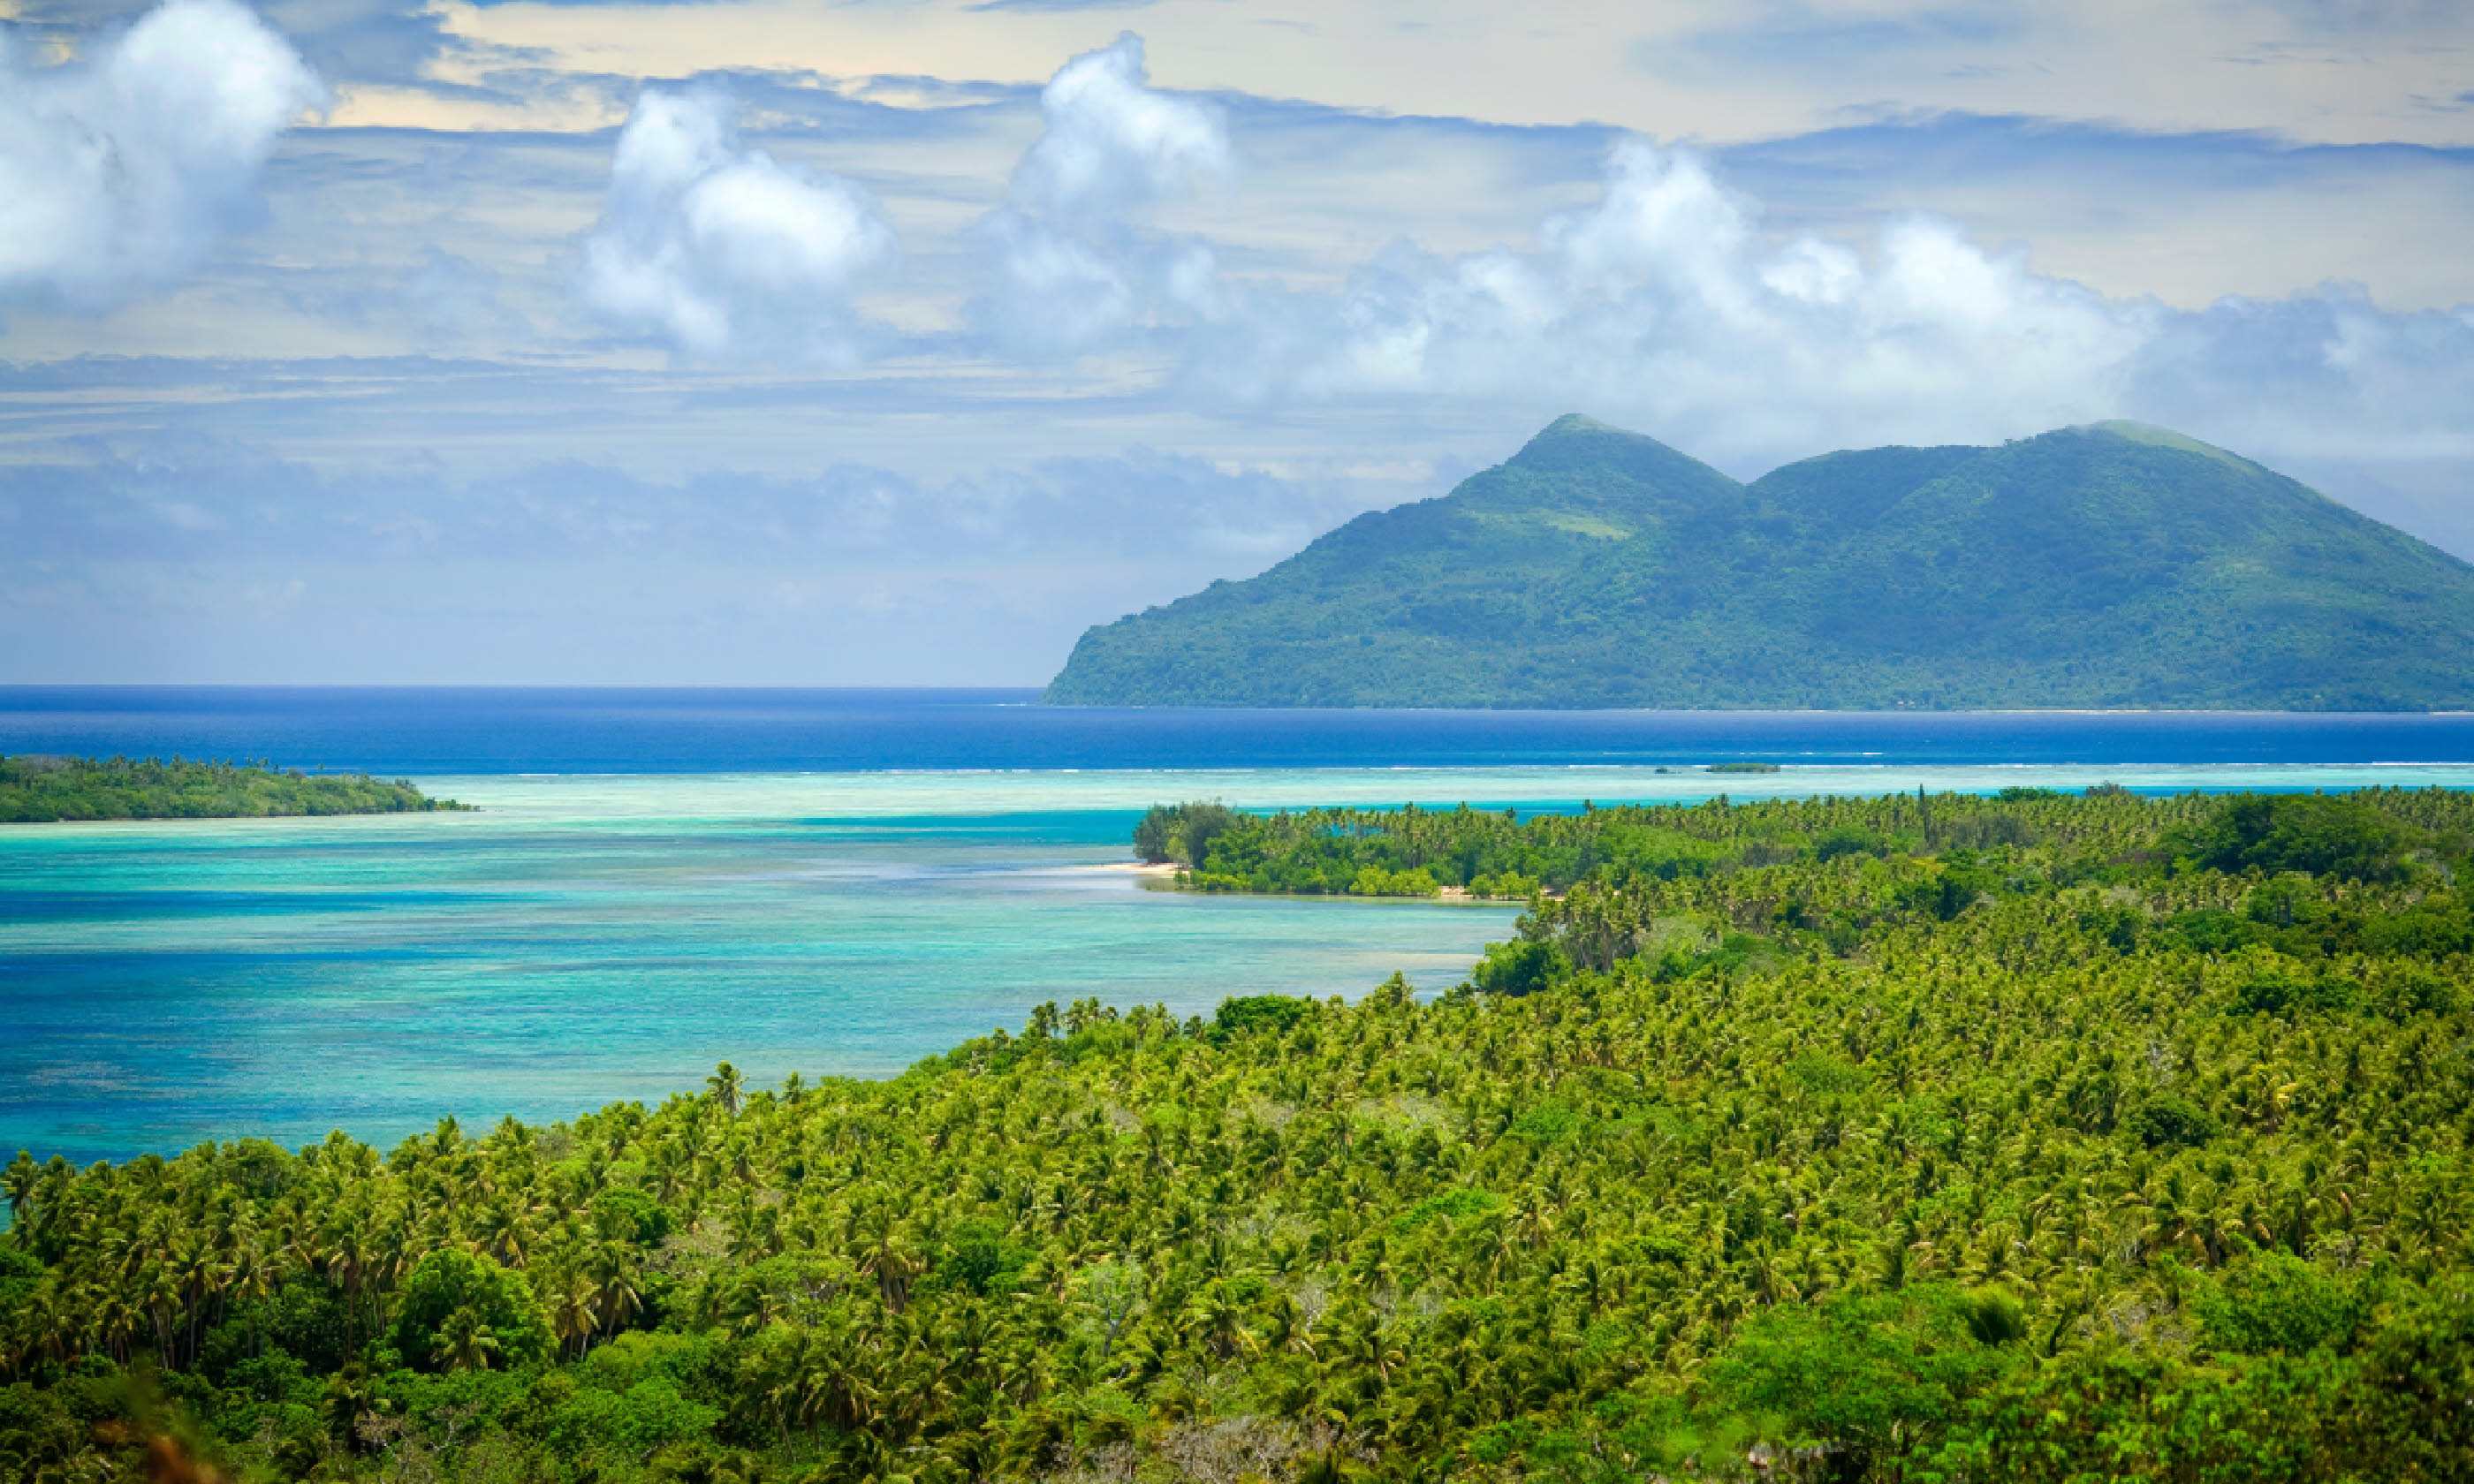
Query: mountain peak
x=1576, y=445
x=2155, y=436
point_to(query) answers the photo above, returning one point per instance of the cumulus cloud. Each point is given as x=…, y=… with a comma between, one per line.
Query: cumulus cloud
x=1069, y=260
x=1111, y=144
x=724, y=251
x=1664, y=304
x=119, y=171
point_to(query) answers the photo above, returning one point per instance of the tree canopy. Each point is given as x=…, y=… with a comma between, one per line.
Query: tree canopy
x=1979, y=1159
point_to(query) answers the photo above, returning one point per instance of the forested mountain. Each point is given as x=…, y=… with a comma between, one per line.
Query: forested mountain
x=2112, y=565
x=1973, y=1140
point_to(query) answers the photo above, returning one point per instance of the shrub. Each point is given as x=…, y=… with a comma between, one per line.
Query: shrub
x=1848, y=840
x=1247, y=1013
x=1182, y=832
x=2167, y=1120
x=448, y=1281
x=627, y=1214
x=2275, y=1301
x=2318, y=834
x=1523, y=965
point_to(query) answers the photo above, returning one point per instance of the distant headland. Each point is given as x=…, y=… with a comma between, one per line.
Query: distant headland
x=2110, y=566
x=35, y=788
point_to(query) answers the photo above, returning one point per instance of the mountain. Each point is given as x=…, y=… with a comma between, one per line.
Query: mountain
x=2113, y=565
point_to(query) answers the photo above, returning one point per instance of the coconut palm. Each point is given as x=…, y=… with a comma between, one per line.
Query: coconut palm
x=728, y=1088
x=464, y=1342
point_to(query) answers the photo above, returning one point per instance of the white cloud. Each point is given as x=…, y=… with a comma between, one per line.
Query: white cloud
x=1112, y=145
x=118, y=172
x=1664, y=305
x=723, y=252
x=1070, y=259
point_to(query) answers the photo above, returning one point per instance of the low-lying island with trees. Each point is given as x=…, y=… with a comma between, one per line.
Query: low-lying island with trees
x=1992, y=1139
x=38, y=788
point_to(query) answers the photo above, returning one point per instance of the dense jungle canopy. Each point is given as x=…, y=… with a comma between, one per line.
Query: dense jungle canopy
x=1992, y=1139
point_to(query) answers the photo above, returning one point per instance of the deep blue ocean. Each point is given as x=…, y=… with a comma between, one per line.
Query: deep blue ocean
x=451, y=729
x=833, y=882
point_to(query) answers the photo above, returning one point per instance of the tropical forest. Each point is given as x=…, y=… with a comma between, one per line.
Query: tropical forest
x=1936, y=1137
x=37, y=789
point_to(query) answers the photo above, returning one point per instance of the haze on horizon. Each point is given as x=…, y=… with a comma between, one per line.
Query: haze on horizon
x=796, y=341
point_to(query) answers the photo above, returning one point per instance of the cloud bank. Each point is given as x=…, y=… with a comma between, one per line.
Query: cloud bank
x=1664, y=307
x=1667, y=303
x=175, y=556
x=117, y=173
x=722, y=252
x=1664, y=304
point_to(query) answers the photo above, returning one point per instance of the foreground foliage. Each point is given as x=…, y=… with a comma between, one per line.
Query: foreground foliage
x=38, y=789
x=2041, y=1146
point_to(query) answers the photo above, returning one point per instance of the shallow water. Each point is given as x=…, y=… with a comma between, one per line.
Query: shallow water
x=581, y=942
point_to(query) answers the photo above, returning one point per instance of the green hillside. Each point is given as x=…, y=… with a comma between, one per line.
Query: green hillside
x=2112, y=565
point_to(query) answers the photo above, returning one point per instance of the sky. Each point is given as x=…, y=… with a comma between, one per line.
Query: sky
x=897, y=342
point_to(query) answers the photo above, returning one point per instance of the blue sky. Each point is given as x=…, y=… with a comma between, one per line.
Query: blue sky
x=897, y=341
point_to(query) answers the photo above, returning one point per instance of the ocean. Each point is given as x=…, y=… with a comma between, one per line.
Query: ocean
x=833, y=882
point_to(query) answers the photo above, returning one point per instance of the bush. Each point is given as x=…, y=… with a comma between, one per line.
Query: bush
x=978, y=1259
x=1182, y=832
x=626, y=1214
x=2317, y=834
x=1523, y=965
x=1848, y=840
x=1869, y=1376
x=1376, y=881
x=2280, y=990
x=450, y=1280
x=1456, y=1206
x=649, y=1416
x=1247, y=1013
x=2167, y=1120
x=2274, y=1302
x=1548, y=1122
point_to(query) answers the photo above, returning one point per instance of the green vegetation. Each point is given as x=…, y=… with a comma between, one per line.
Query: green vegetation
x=39, y=789
x=2114, y=565
x=2025, y=1145
x=1182, y=832
x=1744, y=767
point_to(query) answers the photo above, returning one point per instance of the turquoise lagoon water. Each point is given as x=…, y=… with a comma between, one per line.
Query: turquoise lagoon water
x=590, y=938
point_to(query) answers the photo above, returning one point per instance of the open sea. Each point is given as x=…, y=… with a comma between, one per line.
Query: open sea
x=833, y=882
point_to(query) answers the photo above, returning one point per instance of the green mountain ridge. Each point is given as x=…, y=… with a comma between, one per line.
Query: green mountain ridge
x=2110, y=566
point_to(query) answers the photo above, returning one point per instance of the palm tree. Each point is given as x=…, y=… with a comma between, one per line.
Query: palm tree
x=575, y=1312
x=23, y=1176
x=729, y=1088
x=349, y=1400
x=880, y=1248
x=613, y=1285
x=464, y=1342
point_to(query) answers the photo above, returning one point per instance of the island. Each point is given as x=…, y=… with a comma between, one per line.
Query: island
x=37, y=789
x=2115, y=565
x=2094, y=1137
